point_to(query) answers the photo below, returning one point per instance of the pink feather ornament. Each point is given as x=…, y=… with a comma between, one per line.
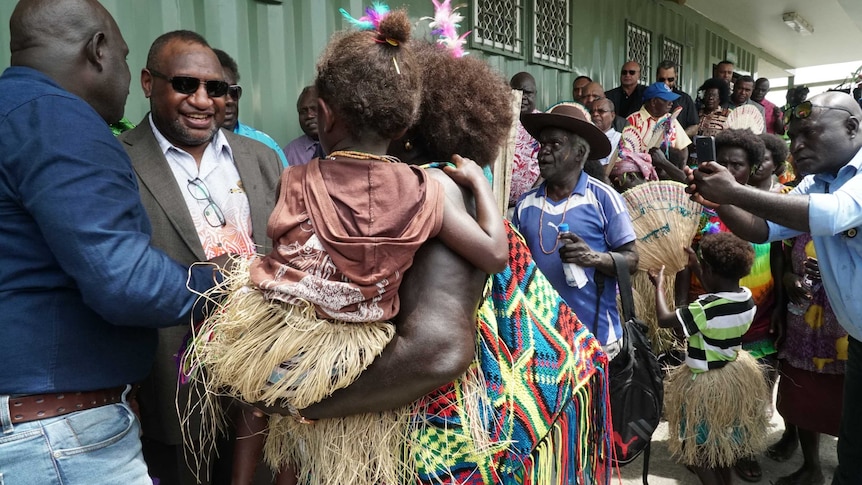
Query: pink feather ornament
x=445, y=26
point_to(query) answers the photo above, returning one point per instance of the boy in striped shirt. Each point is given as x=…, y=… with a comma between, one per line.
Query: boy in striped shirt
x=713, y=401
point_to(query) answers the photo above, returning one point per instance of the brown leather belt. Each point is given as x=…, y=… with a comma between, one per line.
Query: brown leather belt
x=41, y=406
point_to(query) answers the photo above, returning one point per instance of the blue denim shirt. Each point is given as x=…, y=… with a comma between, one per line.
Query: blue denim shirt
x=835, y=217
x=81, y=289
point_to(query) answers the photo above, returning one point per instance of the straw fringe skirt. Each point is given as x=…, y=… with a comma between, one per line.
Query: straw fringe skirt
x=717, y=415
x=260, y=350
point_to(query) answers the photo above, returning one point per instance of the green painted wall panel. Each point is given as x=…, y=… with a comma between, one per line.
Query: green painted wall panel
x=276, y=46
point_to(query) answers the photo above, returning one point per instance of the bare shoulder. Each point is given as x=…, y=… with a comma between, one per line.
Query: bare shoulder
x=456, y=194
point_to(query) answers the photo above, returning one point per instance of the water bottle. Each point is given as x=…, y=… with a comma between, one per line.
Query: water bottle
x=575, y=275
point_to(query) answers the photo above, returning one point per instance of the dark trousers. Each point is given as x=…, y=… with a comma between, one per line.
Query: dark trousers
x=849, y=471
x=169, y=465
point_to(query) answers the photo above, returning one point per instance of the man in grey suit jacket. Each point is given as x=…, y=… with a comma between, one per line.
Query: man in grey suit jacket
x=208, y=194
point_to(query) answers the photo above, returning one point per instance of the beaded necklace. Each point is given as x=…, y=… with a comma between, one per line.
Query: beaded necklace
x=541, y=223
x=363, y=156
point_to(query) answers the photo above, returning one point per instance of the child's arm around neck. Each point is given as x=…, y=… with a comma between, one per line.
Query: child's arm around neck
x=483, y=241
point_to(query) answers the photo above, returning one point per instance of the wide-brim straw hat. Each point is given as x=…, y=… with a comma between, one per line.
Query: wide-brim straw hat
x=570, y=118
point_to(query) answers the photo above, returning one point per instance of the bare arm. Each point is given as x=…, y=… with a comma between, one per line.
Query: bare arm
x=670, y=170
x=666, y=318
x=751, y=207
x=776, y=264
x=483, y=244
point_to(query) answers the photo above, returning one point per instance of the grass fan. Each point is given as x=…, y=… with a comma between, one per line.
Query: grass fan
x=746, y=117
x=665, y=221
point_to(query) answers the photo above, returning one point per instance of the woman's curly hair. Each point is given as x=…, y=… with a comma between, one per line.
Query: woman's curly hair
x=721, y=85
x=726, y=254
x=745, y=139
x=777, y=148
x=372, y=78
x=466, y=106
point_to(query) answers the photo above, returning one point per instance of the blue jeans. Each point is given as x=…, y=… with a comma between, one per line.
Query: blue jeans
x=849, y=471
x=95, y=446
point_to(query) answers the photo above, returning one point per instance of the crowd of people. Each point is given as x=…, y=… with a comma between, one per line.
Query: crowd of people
x=132, y=285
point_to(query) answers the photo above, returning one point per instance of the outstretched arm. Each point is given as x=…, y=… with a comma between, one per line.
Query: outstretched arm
x=745, y=209
x=666, y=318
x=483, y=244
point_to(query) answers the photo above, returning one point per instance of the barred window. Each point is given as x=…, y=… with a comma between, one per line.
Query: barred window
x=552, y=41
x=672, y=51
x=639, y=48
x=497, y=26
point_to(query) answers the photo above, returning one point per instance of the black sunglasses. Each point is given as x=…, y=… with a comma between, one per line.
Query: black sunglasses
x=631, y=72
x=803, y=110
x=188, y=85
x=666, y=79
x=234, y=91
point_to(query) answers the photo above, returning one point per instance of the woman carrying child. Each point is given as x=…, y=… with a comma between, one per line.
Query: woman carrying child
x=309, y=317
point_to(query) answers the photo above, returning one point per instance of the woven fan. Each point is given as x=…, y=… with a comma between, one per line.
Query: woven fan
x=746, y=117
x=631, y=139
x=662, y=130
x=665, y=221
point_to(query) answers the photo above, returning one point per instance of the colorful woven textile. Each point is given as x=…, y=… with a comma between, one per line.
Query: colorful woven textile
x=546, y=410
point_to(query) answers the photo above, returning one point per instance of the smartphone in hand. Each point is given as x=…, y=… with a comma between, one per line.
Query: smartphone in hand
x=704, y=147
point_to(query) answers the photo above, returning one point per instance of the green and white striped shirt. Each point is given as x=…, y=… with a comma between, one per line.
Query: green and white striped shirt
x=714, y=325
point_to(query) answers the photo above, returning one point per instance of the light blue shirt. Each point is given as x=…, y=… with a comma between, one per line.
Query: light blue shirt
x=249, y=132
x=835, y=218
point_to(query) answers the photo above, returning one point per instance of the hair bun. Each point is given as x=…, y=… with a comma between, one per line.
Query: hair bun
x=395, y=26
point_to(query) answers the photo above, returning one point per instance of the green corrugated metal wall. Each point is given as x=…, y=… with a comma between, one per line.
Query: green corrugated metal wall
x=276, y=45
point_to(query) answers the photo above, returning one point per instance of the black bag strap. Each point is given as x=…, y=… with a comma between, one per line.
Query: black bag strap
x=599, y=279
x=621, y=267
x=646, y=463
x=624, y=281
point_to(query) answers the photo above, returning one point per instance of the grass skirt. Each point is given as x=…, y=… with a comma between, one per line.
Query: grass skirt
x=717, y=415
x=363, y=449
x=260, y=350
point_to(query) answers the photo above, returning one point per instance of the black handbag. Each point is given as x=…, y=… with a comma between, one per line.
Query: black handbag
x=635, y=379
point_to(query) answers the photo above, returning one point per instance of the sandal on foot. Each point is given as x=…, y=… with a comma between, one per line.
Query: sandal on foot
x=748, y=469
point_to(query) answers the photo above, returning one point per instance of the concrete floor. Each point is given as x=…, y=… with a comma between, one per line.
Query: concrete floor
x=664, y=471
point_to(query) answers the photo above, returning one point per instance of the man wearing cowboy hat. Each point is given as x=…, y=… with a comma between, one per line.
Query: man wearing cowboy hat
x=596, y=215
